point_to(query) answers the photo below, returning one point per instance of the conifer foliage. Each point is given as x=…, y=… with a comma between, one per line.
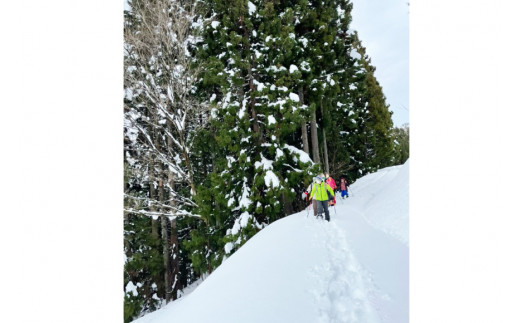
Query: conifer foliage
x=252, y=81
x=362, y=123
x=402, y=143
x=221, y=97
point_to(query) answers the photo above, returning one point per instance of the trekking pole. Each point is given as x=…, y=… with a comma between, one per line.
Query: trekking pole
x=308, y=208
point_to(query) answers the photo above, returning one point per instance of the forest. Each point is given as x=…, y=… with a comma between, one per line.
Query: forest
x=230, y=109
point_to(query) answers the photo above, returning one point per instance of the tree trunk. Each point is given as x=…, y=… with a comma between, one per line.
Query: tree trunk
x=174, y=243
x=190, y=171
x=325, y=150
x=126, y=221
x=287, y=206
x=305, y=138
x=166, y=249
x=249, y=79
x=153, y=193
x=152, y=176
x=166, y=259
x=256, y=127
x=126, y=243
x=314, y=139
x=325, y=153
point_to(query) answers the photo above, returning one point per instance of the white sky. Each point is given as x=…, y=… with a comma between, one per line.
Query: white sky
x=383, y=29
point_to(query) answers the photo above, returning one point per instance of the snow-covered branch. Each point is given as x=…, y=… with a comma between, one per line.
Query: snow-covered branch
x=161, y=110
x=163, y=204
x=158, y=214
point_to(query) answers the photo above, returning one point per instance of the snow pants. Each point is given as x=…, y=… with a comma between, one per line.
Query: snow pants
x=344, y=193
x=324, y=206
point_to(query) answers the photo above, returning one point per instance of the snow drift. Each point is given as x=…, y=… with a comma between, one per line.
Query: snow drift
x=302, y=269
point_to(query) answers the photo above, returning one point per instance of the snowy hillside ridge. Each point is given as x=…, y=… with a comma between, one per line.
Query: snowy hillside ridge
x=302, y=269
x=386, y=208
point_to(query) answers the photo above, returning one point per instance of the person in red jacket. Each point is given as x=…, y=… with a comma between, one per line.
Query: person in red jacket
x=329, y=180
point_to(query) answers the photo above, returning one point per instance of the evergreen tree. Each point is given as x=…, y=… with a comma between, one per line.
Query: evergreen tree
x=377, y=125
x=362, y=120
x=143, y=268
x=250, y=80
x=323, y=30
x=401, y=137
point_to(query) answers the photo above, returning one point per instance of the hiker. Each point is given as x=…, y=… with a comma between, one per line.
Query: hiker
x=307, y=193
x=343, y=187
x=322, y=192
x=329, y=180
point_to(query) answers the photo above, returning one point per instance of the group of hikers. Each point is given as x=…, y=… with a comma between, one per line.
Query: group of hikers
x=322, y=193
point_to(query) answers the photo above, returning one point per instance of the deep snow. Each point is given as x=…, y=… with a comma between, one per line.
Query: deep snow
x=300, y=269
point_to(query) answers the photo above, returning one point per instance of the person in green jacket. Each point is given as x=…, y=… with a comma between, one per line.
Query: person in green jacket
x=319, y=191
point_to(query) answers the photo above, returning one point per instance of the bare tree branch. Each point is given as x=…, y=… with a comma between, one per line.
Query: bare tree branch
x=153, y=214
x=160, y=68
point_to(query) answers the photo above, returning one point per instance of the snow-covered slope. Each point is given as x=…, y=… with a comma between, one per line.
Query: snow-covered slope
x=300, y=269
x=384, y=198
